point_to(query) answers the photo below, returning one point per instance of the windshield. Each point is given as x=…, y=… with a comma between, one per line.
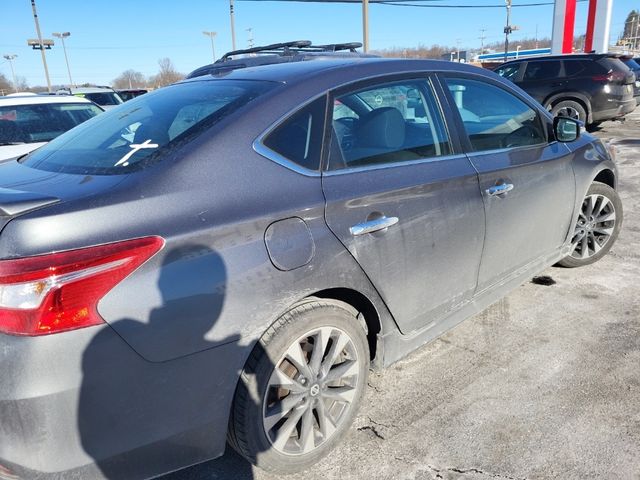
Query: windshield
x=43, y=122
x=145, y=129
x=102, y=98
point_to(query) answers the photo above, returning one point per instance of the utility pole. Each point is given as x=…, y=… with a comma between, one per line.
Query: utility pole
x=507, y=30
x=212, y=35
x=365, y=25
x=233, y=25
x=42, y=45
x=537, y=36
x=62, y=36
x=10, y=58
x=458, y=50
x=482, y=37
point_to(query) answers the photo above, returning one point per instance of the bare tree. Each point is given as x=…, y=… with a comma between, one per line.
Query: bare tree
x=130, y=79
x=5, y=85
x=167, y=74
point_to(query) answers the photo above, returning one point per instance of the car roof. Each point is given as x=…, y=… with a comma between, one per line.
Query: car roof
x=568, y=56
x=293, y=71
x=88, y=90
x=41, y=100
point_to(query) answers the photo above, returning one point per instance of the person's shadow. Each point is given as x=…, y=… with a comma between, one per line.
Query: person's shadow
x=146, y=404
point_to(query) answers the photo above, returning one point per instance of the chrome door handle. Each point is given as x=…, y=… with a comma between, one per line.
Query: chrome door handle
x=501, y=189
x=373, y=225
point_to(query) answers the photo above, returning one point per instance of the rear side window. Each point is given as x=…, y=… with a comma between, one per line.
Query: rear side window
x=542, y=70
x=494, y=118
x=573, y=68
x=145, y=129
x=299, y=138
x=387, y=123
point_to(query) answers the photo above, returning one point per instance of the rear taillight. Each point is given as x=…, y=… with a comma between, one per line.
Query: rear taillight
x=60, y=291
x=610, y=77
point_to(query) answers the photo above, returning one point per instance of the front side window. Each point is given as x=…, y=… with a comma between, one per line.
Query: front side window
x=509, y=72
x=41, y=122
x=542, y=70
x=145, y=129
x=494, y=118
x=389, y=123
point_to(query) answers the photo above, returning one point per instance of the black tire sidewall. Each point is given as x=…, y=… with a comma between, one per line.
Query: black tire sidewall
x=251, y=437
x=582, y=113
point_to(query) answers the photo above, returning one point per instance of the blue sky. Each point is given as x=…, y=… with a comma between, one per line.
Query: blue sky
x=109, y=37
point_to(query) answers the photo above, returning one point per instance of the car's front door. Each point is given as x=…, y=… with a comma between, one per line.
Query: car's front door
x=403, y=199
x=527, y=182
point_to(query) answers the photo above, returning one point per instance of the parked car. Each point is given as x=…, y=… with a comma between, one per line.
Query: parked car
x=106, y=97
x=635, y=68
x=131, y=93
x=234, y=268
x=287, y=52
x=589, y=87
x=29, y=121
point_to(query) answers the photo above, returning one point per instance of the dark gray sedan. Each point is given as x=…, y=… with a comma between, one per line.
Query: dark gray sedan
x=225, y=258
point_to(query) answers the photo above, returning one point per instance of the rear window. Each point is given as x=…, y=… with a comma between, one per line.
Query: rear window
x=612, y=64
x=145, y=129
x=42, y=122
x=102, y=98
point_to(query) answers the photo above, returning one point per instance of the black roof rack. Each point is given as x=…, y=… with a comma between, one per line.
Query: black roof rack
x=295, y=51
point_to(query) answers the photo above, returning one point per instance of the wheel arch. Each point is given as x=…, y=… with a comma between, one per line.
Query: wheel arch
x=573, y=96
x=607, y=177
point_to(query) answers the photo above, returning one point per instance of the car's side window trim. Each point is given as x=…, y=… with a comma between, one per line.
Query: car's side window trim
x=430, y=81
x=261, y=149
x=468, y=148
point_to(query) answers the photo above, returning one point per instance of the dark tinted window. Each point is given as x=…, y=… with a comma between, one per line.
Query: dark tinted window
x=388, y=123
x=299, y=138
x=573, y=68
x=145, y=129
x=43, y=122
x=494, y=118
x=542, y=70
x=611, y=64
x=102, y=98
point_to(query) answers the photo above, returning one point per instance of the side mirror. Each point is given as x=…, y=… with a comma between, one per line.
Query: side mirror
x=566, y=129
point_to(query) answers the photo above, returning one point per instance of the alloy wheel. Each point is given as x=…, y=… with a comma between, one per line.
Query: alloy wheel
x=596, y=222
x=310, y=391
x=568, y=112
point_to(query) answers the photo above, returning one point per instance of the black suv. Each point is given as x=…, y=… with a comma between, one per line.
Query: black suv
x=589, y=87
x=296, y=51
x=634, y=65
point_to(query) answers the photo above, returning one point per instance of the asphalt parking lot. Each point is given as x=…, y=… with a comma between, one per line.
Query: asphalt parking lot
x=543, y=384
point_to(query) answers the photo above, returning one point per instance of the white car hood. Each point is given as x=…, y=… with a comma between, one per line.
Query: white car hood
x=11, y=151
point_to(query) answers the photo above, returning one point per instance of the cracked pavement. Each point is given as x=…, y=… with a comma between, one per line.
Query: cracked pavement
x=544, y=384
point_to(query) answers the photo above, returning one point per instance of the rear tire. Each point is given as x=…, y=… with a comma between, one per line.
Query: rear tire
x=301, y=387
x=571, y=109
x=597, y=227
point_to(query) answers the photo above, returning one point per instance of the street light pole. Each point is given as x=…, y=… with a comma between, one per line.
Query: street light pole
x=507, y=30
x=365, y=25
x=13, y=72
x=233, y=25
x=62, y=36
x=42, y=47
x=212, y=36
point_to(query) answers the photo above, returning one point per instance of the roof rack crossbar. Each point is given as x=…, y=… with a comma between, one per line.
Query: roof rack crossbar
x=267, y=49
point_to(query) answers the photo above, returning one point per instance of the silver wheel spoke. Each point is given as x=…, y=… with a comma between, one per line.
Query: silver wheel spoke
x=306, y=431
x=326, y=425
x=296, y=356
x=606, y=217
x=345, y=369
x=282, y=380
x=607, y=231
x=336, y=349
x=340, y=394
x=281, y=410
x=584, y=247
x=604, y=201
x=319, y=347
x=285, y=431
x=596, y=245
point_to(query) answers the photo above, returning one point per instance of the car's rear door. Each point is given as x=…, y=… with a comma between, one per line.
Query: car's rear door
x=403, y=198
x=527, y=181
x=542, y=78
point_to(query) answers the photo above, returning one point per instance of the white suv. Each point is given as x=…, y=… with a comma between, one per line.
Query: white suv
x=29, y=121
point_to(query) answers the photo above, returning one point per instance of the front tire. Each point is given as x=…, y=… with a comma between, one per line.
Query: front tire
x=301, y=387
x=597, y=227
